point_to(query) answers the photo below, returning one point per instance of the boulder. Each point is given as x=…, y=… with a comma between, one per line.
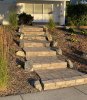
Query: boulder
x=21, y=36
x=49, y=36
x=53, y=44
x=84, y=55
x=69, y=63
x=17, y=33
x=38, y=85
x=28, y=66
x=21, y=44
x=20, y=53
x=58, y=51
x=19, y=66
x=45, y=29
x=47, y=44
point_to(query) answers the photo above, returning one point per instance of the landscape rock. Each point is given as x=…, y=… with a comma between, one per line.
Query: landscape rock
x=69, y=63
x=47, y=44
x=38, y=85
x=58, y=51
x=35, y=83
x=53, y=44
x=19, y=66
x=21, y=44
x=84, y=55
x=49, y=37
x=20, y=53
x=17, y=33
x=21, y=36
x=67, y=27
x=28, y=65
x=45, y=29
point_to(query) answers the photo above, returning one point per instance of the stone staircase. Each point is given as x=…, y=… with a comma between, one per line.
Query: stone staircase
x=52, y=69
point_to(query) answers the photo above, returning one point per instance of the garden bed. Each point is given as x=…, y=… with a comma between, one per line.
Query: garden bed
x=73, y=45
x=80, y=27
x=18, y=78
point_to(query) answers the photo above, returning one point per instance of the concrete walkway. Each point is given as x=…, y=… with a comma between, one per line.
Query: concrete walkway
x=72, y=93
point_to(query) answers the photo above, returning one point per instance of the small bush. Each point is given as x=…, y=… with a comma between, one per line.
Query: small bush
x=25, y=19
x=71, y=30
x=13, y=20
x=84, y=32
x=51, y=24
x=77, y=14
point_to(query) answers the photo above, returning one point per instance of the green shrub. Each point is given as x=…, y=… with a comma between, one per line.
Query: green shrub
x=72, y=30
x=3, y=73
x=51, y=24
x=3, y=70
x=13, y=20
x=84, y=32
x=25, y=19
x=77, y=15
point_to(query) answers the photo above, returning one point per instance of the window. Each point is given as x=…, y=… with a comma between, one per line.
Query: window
x=47, y=8
x=38, y=8
x=29, y=8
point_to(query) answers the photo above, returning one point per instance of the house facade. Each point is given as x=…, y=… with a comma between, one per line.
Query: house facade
x=41, y=10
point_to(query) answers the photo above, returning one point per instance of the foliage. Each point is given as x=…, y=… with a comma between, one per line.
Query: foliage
x=72, y=40
x=13, y=20
x=77, y=14
x=72, y=30
x=84, y=32
x=25, y=19
x=51, y=24
x=3, y=70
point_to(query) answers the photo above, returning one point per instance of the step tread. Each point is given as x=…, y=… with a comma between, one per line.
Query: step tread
x=33, y=33
x=38, y=49
x=36, y=41
x=36, y=44
x=60, y=78
x=37, y=37
x=52, y=74
x=46, y=60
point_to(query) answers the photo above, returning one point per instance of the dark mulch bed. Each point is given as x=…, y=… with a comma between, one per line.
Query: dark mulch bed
x=73, y=47
x=18, y=77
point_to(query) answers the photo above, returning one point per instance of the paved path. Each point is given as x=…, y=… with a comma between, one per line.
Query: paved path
x=73, y=93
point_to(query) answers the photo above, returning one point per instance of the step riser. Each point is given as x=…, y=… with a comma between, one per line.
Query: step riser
x=49, y=66
x=34, y=38
x=33, y=29
x=34, y=45
x=36, y=33
x=56, y=84
x=33, y=54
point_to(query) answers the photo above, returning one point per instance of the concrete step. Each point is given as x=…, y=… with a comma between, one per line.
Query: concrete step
x=60, y=78
x=32, y=29
x=37, y=37
x=33, y=33
x=39, y=51
x=51, y=62
x=36, y=43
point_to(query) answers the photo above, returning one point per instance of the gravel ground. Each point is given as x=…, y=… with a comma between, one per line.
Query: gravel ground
x=18, y=77
x=72, y=46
